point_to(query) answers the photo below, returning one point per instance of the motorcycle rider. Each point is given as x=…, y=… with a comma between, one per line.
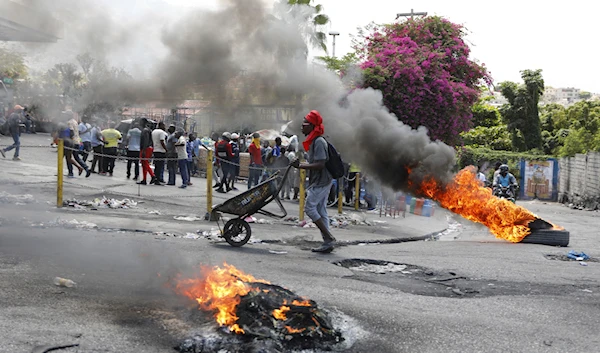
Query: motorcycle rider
x=504, y=179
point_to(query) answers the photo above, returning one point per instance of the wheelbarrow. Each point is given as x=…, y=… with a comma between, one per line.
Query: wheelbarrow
x=237, y=231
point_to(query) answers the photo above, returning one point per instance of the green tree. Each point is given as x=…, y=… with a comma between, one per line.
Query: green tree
x=585, y=95
x=12, y=65
x=340, y=65
x=317, y=37
x=521, y=114
x=578, y=141
x=485, y=114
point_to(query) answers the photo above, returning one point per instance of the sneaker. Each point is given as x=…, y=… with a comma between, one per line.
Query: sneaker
x=143, y=182
x=102, y=173
x=16, y=159
x=129, y=176
x=189, y=184
x=234, y=188
x=221, y=191
x=70, y=176
x=218, y=185
x=325, y=248
x=135, y=178
x=3, y=154
x=80, y=171
x=109, y=174
x=183, y=186
x=88, y=173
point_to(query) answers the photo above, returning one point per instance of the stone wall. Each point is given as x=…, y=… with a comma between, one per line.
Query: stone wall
x=579, y=180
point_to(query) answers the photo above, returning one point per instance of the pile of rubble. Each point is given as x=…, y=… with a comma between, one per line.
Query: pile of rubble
x=273, y=319
x=104, y=202
x=337, y=221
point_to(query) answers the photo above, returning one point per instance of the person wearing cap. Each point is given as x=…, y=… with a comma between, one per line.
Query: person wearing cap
x=235, y=161
x=224, y=157
x=14, y=127
x=256, y=162
x=319, y=178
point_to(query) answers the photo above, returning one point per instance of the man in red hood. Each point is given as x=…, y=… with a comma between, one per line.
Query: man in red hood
x=319, y=177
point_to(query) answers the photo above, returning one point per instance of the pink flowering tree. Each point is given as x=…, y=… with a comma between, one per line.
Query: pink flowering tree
x=422, y=66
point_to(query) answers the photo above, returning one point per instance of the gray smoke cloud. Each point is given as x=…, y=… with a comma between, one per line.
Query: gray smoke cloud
x=246, y=52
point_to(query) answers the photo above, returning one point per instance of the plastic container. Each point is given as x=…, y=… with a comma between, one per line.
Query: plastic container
x=64, y=282
x=419, y=206
x=413, y=203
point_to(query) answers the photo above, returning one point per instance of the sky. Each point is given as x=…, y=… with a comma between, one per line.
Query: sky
x=507, y=36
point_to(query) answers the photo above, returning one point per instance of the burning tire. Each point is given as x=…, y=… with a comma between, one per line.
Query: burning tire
x=553, y=237
x=237, y=232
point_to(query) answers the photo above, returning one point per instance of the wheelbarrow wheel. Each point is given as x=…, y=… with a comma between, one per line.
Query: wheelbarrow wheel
x=237, y=232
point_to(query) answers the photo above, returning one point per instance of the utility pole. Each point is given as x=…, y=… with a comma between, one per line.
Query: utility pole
x=334, y=34
x=411, y=14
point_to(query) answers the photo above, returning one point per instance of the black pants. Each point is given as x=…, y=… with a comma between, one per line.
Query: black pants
x=77, y=156
x=350, y=187
x=109, y=161
x=159, y=166
x=133, y=157
x=87, y=147
x=98, y=150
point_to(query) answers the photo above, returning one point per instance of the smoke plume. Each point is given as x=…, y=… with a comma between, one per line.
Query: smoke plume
x=242, y=53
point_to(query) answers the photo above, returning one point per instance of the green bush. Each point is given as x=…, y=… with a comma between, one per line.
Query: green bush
x=477, y=156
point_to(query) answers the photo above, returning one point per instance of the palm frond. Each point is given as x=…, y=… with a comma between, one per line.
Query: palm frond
x=321, y=20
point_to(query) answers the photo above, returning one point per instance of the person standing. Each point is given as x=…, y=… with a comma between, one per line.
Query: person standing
x=182, y=158
x=14, y=128
x=189, y=148
x=77, y=146
x=256, y=162
x=111, y=142
x=224, y=155
x=134, y=136
x=172, y=159
x=146, y=153
x=235, y=160
x=98, y=148
x=196, y=143
x=85, y=133
x=319, y=179
x=159, y=145
x=352, y=174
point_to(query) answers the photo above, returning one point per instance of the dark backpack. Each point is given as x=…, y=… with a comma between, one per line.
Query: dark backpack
x=334, y=163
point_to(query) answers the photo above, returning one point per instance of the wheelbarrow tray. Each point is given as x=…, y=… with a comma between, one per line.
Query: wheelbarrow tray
x=252, y=201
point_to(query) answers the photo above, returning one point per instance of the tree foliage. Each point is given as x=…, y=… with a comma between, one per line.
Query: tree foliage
x=423, y=69
x=317, y=19
x=12, y=65
x=521, y=113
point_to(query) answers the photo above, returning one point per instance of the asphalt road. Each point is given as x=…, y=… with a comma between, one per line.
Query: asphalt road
x=472, y=294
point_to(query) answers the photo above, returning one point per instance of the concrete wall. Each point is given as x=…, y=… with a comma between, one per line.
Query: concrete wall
x=579, y=182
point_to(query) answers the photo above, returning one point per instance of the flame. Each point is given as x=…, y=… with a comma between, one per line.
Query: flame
x=466, y=197
x=302, y=303
x=219, y=290
x=279, y=314
x=294, y=330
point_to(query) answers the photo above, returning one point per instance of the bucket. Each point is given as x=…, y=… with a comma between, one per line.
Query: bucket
x=419, y=206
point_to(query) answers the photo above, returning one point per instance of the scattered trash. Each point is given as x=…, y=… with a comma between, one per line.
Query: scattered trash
x=212, y=234
x=250, y=219
x=264, y=221
x=167, y=234
x=457, y=291
x=278, y=252
x=578, y=256
x=16, y=199
x=64, y=282
x=191, y=236
x=587, y=291
x=583, y=263
x=104, y=202
x=155, y=212
x=187, y=218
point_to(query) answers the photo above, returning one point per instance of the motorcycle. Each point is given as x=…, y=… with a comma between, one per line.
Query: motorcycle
x=505, y=192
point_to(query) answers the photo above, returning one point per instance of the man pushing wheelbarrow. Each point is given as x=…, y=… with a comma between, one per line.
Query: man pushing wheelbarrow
x=237, y=231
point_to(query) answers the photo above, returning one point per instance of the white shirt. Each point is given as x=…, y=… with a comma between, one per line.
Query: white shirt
x=481, y=177
x=180, y=147
x=157, y=136
x=85, y=136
